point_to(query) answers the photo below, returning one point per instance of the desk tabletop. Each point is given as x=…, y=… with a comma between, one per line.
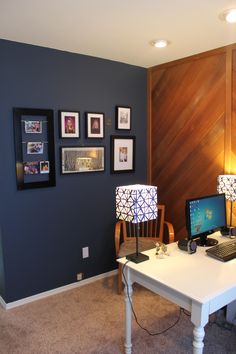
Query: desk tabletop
x=196, y=275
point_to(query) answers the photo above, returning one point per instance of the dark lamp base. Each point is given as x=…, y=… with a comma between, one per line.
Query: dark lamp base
x=137, y=258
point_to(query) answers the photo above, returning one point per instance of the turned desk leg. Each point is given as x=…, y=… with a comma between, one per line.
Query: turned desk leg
x=128, y=318
x=199, y=318
x=198, y=336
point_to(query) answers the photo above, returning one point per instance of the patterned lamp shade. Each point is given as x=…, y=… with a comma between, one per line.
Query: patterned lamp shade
x=227, y=185
x=136, y=203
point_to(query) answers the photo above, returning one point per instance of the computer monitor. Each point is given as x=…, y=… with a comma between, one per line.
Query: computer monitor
x=204, y=216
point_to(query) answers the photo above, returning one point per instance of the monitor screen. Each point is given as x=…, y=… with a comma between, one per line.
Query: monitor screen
x=204, y=216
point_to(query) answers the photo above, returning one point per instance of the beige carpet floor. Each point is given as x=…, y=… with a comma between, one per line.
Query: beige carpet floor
x=90, y=320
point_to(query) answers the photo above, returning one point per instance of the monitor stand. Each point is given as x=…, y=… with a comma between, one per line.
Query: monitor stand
x=205, y=241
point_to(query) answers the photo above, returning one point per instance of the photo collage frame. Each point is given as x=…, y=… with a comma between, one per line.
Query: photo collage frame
x=34, y=147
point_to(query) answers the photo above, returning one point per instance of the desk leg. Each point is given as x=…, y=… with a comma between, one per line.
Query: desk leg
x=128, y=318
x=199, y=317
x=198, y=335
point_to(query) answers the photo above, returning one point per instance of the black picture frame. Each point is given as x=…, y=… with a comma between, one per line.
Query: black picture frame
x=34, y=149
x=95, y=125
x=123, y=117
x=122, y=153
x=80, y=159
x=67, y=117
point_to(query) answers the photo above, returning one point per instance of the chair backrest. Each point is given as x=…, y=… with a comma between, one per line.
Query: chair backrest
x=152, y=229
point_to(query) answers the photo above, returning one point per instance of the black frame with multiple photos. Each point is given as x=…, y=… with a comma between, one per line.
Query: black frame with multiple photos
x=34, y=143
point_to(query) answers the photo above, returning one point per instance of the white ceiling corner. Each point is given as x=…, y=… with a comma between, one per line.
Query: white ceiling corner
x=119, y=30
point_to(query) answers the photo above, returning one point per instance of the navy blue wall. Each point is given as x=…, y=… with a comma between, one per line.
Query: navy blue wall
x=43, y=230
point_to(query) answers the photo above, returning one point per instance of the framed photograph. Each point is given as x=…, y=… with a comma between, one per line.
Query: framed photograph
x=34, y=153
x=122, y=154
x=82, y=159
x=69, y=124
x=123, y=118
x=94, y=125
x=33, y=126
x=34, y=148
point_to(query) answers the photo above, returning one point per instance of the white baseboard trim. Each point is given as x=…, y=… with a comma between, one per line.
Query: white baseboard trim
x=26, y=300
x=2, y=302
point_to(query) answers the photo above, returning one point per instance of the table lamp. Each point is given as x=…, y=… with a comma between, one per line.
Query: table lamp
x=136, y=203
x=227, y=185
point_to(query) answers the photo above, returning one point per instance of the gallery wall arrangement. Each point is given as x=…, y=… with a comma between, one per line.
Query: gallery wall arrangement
x=34, y=145
x=73, y=128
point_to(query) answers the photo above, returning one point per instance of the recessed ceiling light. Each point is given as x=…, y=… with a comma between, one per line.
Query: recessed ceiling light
x=160, y=43
x=229, y=16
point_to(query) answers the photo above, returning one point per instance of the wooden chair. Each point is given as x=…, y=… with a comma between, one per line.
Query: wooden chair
x=150, y=232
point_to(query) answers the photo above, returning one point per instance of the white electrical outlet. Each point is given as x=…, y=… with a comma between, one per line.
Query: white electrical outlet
x=79, y=276
x=85, y=252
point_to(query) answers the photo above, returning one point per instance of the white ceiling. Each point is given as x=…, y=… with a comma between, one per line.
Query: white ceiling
x=119, y=30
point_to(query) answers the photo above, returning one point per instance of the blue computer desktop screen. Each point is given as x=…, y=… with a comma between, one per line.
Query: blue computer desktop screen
x=206, y=214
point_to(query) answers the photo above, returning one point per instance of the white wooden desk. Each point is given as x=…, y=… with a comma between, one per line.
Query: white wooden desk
x=195, y=282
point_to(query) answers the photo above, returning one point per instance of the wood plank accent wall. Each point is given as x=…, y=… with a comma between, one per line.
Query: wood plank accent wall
x=192, y=128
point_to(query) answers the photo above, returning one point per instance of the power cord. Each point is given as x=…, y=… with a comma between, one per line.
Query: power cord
x=135, y=316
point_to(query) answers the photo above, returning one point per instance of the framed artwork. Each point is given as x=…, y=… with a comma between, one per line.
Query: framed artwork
x=69, y=124
x=94, y=125
x=78, y=159
x=122, y=154
x=123, y=118
x=34, y=148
